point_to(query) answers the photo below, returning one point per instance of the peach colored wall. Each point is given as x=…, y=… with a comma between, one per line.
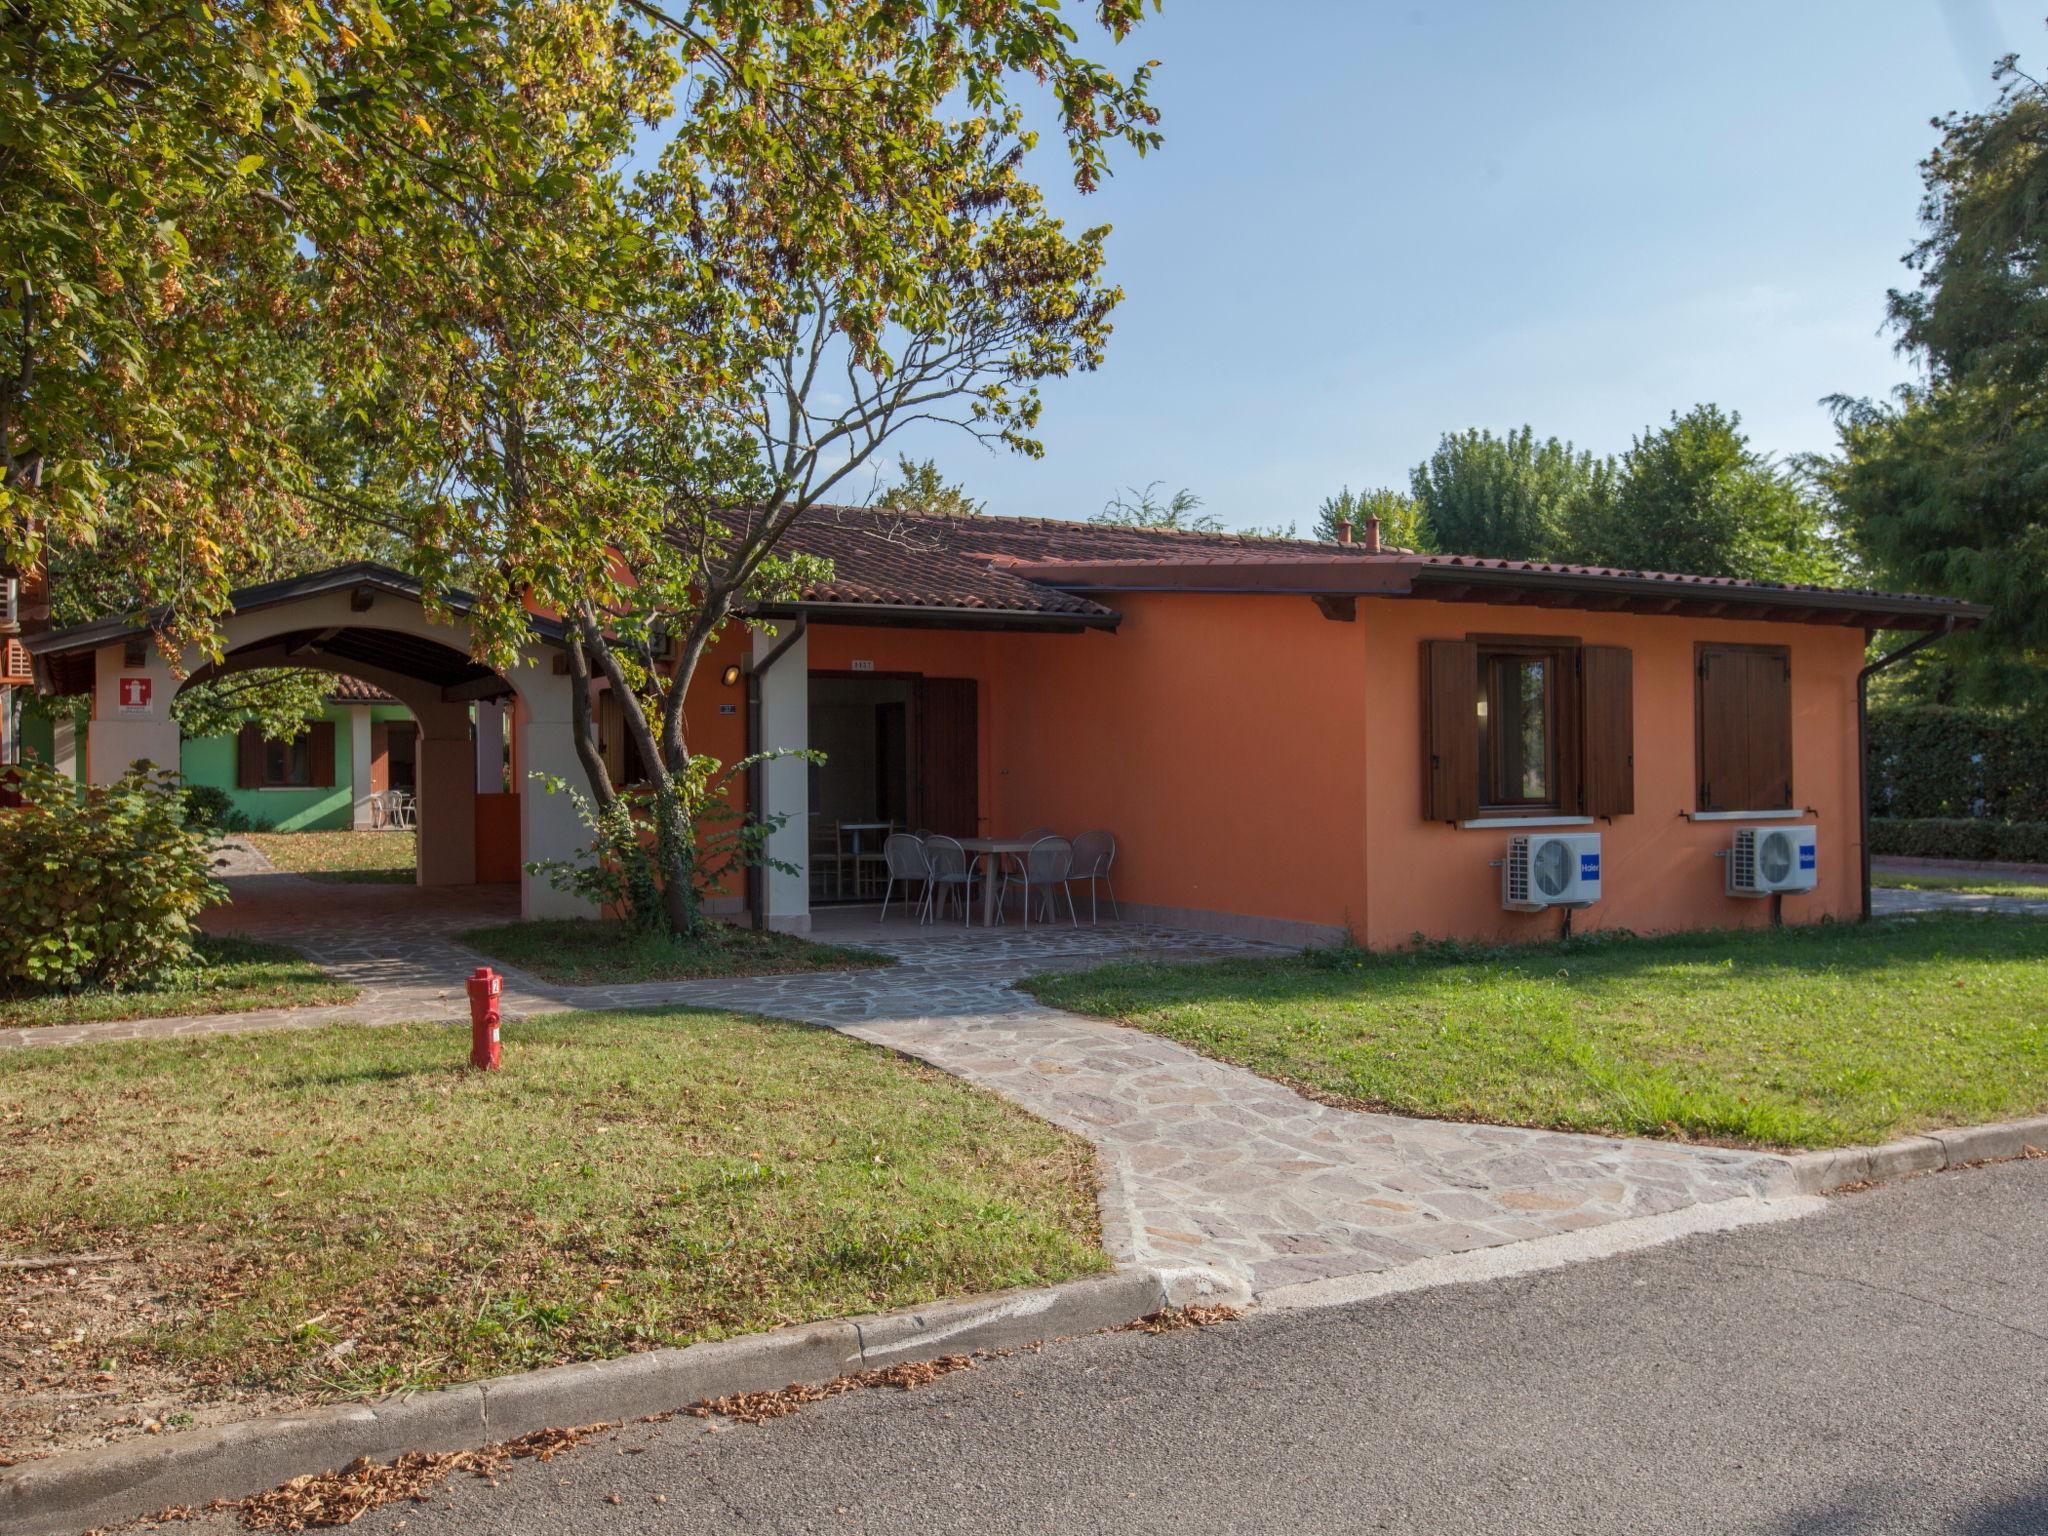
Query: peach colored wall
x=1658, y=869
x=1255, y=758
x=1183, y=733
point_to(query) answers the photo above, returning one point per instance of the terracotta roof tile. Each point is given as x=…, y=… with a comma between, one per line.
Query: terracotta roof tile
x=353, y=690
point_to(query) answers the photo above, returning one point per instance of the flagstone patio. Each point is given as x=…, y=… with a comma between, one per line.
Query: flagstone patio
x=1202, y=1163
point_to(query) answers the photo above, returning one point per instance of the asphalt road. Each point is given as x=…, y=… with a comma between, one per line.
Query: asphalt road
x=1882, y=1367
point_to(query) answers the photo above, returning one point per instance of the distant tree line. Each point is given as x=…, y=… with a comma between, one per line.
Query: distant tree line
x=1691, y=496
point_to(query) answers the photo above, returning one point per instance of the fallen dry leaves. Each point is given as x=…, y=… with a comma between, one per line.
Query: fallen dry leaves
x=1170, y=1318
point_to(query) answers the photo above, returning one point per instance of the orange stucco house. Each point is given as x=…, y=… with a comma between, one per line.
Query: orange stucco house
x=1292, y=739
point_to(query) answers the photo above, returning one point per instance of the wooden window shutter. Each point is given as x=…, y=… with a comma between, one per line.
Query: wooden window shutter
x=249, y=758
x=1607, y=776
x=1450, y=730
x=321, y=754
x=1744, y=723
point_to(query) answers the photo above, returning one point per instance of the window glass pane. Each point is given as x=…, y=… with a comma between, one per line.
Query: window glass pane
x=1520, y=729
x=288, y=762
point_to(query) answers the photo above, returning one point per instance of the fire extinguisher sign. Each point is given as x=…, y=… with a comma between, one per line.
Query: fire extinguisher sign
x=133, y=695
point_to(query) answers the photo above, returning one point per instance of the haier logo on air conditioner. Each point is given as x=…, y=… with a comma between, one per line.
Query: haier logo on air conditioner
x=1551, y=869
x=1766, y=861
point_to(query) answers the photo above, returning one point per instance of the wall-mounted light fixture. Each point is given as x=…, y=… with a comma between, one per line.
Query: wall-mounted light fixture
x=730, y=676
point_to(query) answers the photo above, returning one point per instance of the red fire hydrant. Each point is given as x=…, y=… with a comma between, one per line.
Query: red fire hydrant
x=484, y=987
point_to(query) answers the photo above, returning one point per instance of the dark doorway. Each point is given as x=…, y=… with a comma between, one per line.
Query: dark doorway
x=901, y=754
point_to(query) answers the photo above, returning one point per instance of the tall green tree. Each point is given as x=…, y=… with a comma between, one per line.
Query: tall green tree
x=1399, y=514
x=620, y=400
x=1508, y=497
x=1694, y=496
x=1944, y=488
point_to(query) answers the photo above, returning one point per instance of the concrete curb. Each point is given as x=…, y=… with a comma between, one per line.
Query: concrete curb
x=1815, y=1173
x=109, y=1484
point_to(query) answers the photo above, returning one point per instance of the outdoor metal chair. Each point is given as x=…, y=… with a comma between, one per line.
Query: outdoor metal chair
x=906, y=861
x=1094, y=853
x=1045, y=868
x=952, y=873
x=1014, y=862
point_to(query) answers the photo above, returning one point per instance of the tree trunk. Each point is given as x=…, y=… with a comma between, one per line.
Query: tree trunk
x=675, y=848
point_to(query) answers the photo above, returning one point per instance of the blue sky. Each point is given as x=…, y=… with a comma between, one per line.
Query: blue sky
x=1377, y=221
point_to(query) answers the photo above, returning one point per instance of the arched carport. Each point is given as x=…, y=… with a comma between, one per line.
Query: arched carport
x=368, y=622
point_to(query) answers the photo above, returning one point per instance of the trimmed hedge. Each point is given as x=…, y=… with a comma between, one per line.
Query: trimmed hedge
x=1959, y=837
x=1938, y=760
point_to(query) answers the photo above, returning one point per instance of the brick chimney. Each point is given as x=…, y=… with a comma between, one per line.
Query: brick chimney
x=1343, y=533
x=1372, y=535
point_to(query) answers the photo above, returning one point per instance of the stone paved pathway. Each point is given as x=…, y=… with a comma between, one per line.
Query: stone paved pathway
x=1202, y=1163
x=1893, y=903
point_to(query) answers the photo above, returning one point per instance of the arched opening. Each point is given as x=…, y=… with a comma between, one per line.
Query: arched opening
x=415, y=736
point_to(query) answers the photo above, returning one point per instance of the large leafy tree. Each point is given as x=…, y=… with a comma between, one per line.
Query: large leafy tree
x=618, y=398
x=1694, y=496
x=1399, y=514
x=921, y=487
x=164, y=169
x=1509, y=497
x=1944, y=488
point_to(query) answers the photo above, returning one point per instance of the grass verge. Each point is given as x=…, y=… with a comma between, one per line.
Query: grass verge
x=1798, y=1037
x=356, y=858
x=229, y=975
x=1973, y=885
x=575, y=951
x=351, y=1210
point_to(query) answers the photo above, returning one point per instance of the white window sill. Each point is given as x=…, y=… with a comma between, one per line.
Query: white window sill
x=1485, y=822
x=1745, y=815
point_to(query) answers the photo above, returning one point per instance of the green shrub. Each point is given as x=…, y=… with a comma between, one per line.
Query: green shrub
x=98, y=883
x=209, y=808
x=1954, y=837
x=1937, y=760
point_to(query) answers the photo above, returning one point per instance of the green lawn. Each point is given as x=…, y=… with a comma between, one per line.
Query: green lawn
x=1800, y=1037
x=352, y=1209
x=230, y=976
x=581, y=951
x=366, y=858
x=1976, y=885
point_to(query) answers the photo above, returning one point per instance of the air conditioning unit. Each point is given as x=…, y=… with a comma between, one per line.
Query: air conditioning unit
x=1551, y=869
x=1768, y=860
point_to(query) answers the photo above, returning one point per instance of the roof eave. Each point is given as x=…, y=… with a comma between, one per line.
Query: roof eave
x=1885, y=611
x=937, y=616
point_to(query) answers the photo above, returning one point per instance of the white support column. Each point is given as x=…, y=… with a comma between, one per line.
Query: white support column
x=490, y=747
x=64, y=746
x=131, y=714
x=548, y=826
x=785, y=705
x=359, y=766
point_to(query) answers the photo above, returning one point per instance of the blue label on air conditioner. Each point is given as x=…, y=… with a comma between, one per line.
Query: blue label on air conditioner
x=1808, y=856
x=1589, y=866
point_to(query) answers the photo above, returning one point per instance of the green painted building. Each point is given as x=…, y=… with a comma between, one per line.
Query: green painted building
x=311, y=784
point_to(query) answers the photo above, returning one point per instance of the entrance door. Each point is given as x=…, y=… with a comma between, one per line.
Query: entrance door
x=948, y=787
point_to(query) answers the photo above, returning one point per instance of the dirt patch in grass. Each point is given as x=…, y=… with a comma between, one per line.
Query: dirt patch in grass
x=1829, y=1035
x=228, y=975
x=587, y=951
x=358, y=858
x=349, y=1211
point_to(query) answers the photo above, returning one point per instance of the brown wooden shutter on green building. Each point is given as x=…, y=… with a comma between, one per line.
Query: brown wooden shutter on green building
x=249, y=758
x=1744, y=727
x=1607, y=781
x=1450, y=730
x=322, y=754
